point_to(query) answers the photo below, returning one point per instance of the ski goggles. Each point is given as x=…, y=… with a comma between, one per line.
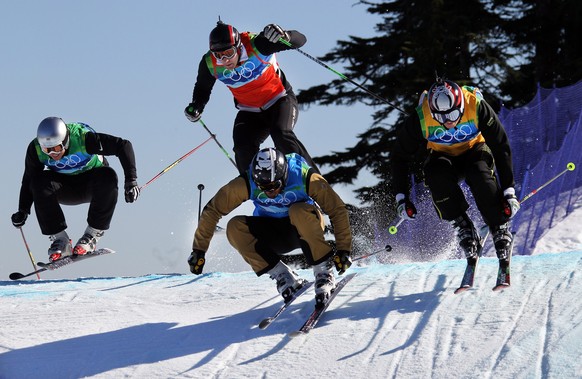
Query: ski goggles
x=451, y=115
x=270, y=187
x=53, y=151
x=225, y=54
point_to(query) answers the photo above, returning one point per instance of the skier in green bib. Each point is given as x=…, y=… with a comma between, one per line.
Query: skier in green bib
x=65, y=164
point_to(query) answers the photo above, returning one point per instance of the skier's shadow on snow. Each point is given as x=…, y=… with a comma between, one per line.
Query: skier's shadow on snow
x=96, y=354
x=409, y=303
x=381, y=308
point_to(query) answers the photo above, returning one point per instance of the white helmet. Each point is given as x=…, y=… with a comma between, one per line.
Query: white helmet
x=446, y=101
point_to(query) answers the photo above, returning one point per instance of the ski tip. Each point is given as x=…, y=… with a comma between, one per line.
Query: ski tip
x=500, y=287
x=16, y=276
x=266, y=322
x=462, y=289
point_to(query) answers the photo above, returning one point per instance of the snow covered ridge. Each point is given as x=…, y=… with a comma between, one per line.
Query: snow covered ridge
x=390, y=321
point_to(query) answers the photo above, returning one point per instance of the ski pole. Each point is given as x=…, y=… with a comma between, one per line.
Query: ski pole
x=394, y=228
x=174, y=164
x=30, y=254
x=341, y=75
x=200, y=188
x=213, y=136
x=569, y=167
x=387, y=248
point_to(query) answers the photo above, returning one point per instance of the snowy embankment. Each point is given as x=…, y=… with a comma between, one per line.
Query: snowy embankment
x=391, y=321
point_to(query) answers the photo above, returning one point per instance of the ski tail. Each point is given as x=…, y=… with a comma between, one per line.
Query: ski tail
x=18, y=276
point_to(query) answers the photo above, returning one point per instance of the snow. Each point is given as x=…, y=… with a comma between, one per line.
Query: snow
x=391, y=321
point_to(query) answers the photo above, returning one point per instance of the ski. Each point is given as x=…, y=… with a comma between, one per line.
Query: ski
x=471, y=269
x=61, y=262
x=503, y=274
x=267, y=321
x=318, y=312
x=503, y=277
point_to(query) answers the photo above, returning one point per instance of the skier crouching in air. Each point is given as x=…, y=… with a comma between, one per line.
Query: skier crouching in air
x=283, y=189
x=466, y=141
x=65, y=164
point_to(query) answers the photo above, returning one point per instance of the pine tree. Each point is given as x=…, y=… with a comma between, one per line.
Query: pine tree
x=415, y=41
x=504, y=47
x=547, y=35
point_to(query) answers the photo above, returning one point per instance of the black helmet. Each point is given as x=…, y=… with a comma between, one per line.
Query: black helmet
x=269, y=169
x=223, y=37
x=51, y=132
x=446, y=101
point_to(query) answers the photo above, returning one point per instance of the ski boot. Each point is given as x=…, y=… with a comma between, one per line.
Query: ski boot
x=60, y=246
x=467, y=236
x=503, y=240
x=288, y=282
x=88, y=242
x=324, y=282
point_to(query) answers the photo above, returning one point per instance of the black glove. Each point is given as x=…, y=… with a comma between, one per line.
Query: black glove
x=406, y=209
x=196, y=261
x=510, y=203
x=19, y=218
x=273, y=32
x=131, y=191
x=193, y=112
x=342, y=261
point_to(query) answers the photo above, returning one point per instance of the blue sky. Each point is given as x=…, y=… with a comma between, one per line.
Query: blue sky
x=127, y=68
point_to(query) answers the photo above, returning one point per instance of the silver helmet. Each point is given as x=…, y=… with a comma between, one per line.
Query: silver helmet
x=51, y=132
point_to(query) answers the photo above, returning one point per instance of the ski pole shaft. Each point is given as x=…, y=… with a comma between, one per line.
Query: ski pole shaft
x=174, y=164
x=569, y=167
x=387, y=248
x=393, y=229
x=200, y=188
x=318, y=61
x=213, y=136
x=30, y=254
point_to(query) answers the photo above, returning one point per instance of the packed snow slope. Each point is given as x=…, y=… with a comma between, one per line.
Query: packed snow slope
x=390, y=321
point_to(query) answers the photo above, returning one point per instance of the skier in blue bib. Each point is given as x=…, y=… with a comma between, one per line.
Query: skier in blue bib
x=284, y=189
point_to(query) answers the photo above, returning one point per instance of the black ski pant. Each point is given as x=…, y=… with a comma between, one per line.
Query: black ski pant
x=253, y=128
x=98, y=187
x=443, y=174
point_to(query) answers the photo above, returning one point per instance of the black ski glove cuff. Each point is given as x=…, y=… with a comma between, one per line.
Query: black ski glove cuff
x=342, y=261
x=196, y=261
x=19, y=219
